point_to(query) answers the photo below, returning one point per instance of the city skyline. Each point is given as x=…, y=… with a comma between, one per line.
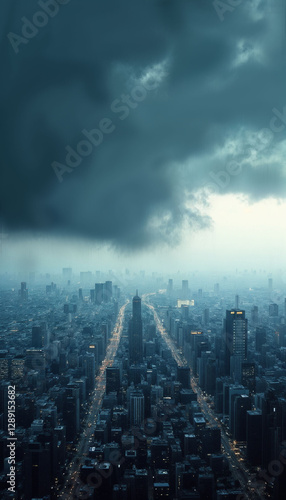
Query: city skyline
x=204, y=399
x=142, y=250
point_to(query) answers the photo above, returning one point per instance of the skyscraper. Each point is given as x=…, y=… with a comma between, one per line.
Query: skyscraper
x=136, y=408
x=37, y=337
x=23, y=293
x=185, y=289
x=235, y=332
x=135, y=332
x=113, y=378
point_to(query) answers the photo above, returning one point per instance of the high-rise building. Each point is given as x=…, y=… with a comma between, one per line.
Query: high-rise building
x=206, y=316
x=107, y=291
x=260, y=338
x=92, y=295
x=98, y=293
x=183, y=375
x=37, y=468
x=254, y=436
x=23, y=292
x=248, y=373
x=211, y=441
x=254, y=314
x=273, y=310
x=235, y=336
x=185, y=289
x=113, y=379
x=242, y=404
x=135, y=332
x=137, y=408
x=71, y=410
x=272, y=427
x=234, y=392
x=89, y=370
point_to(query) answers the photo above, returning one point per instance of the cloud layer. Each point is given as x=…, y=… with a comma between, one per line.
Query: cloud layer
x=185, y=95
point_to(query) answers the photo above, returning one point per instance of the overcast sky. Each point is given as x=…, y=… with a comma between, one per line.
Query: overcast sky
x=182, y=107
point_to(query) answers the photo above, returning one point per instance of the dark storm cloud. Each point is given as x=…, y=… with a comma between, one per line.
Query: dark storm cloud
x=138, y=186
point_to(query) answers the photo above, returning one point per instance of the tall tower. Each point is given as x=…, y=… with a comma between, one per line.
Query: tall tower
x=136, y=408
x=235, y=336
x=135, y=332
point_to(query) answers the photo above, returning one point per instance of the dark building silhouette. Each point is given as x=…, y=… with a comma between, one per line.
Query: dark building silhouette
x=183, y=375
x=254, y=436
x=38, y=337
x=248, y=373
x=98, y=293
x=135, y=333
x=211, y=441
x=260, y=338
x=137, y=410
x=107, y=291
x=242, y=404
x=37, y=470
x=273, y=310
x=271, y=427
x=113, y=379
x=254, y=314
x=235, y=331
x=23, y=292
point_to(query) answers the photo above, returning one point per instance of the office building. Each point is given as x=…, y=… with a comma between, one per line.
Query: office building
x=98, y=293
x=89, y=370
x=248, y=376
x=273, y=310
x=185, y=289
x=37, y=470
x=107, y=291
x=234, y=391
x=254, y=314
x=183, y=376
x=235, y=336
x=254, y=436
x=23, y=292
x=242, y=405
x=137, y=408
x=260, y=338
x=135, y=332
x=113, y=379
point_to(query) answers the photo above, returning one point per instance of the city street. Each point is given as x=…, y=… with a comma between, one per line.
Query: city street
x=73, y=487
x=238, y=468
